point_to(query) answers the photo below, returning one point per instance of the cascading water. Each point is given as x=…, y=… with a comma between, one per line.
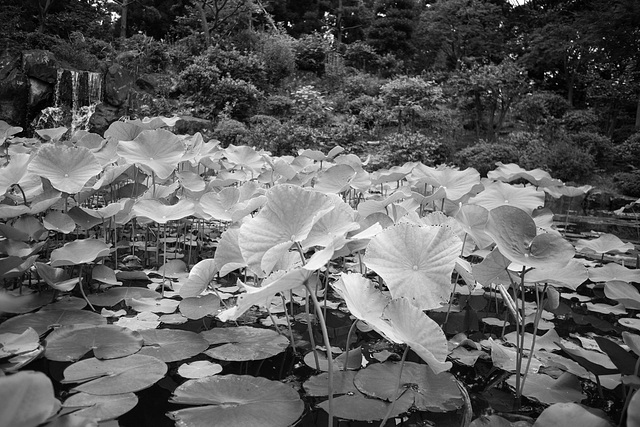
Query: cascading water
x=76, y=95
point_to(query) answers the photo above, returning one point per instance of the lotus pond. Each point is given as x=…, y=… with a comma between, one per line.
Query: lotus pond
x=155, y=279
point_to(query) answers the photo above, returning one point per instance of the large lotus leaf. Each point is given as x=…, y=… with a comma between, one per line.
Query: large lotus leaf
x=429, y=391
x=23, y=303
x=10, y=267
x=364, y=301
x=456, y=183
x=113, y=296
x=123, y=131
x=473, y=219
x=236, y=400
x=220, y=205
x=171, y=345
x=258, y=296
x=492, y=269
x=373, y=206
x=414, y=328
x=572, y=414
x=199, y=278
x=288, y=217
x=614, y=271
x=158, y=150
x=500, y=194
x=161, y=213
x=42, y=320
x=415, y=262
x=101, y=408
x=549, y=390
x=623, y=292
x=633, y=410
x=19, y=249
x=27, y=399
x=67, y=168
x=70, y=343
x=603, y=244
x=104, y=274
x=79, y=252
x=335, y=224
x=515, y=233
x=82, y=218
x=155, y=122
x=115, y=376
x=571, y=275
x=594, y=361
x=59, y=221
x=356, y=406
x=228, y=256
x=200, y=306
x=12, y=172
x=511, y=172
x=191, y=181
x=244, y=157
x=57, y=278
x=336, y=179
x=244, y=343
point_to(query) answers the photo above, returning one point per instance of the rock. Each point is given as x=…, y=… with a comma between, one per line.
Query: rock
x=104, y=115
x=41, y=65
x=40, y=94
x=14, y=89
x=191, y=125
x=147, y=83
x=117, y=85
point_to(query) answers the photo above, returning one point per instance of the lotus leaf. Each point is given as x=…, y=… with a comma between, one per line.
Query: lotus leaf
x=153, y=305
x=571, y=275
x=43, y=320
x=456, y=183
x=200, y=276
x=199, y=369
x=67, y=168
x=115, y=376
x=101, y=408
x=228, y=256
x=244, y=343
x=171, y=345
x=317, y=385
x=244, y=157
x=13, y=344
x=546, y=389
x=633, y=410
x=515, y=234
x=623, y=292
x=614, y=272
x=113, y=296
x=603, y=244
x=104, y=274
x=415, y=262
x=59, y=221
x=336, y=179
x=27, y=399
x=498, y=194
x=594, y=361
x=287, y=218
x=161, y=213
x=236, y=400
x=624, y=361
x=505, y=358
x=70, y=343
x=14, y=171
x=158, y=150
x=221, y=205
x=630, y=322
x=428, y=391
x=561, y=414
x=361, y=408
x=32, y=227
x=198, y=307
x=79, y=252
x=511, y=172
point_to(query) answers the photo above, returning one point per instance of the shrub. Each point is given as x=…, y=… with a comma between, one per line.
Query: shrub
x=370, y=112
x=143, y=53
x=599, y=146
x=580, y=121
x=230, y=131
x=277, y=54
x=399, y=148
x=310, y=106
x=237, y=97
x=483, y=156
x=537, y=108
x=628, y=183
x=278, y=105
x=361, y=84
x=311, y=52
x=569, y=162
x=628, y=153
x=362, y=56
x=199, y=79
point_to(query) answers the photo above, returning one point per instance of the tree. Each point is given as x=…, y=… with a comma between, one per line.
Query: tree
x=214, y=14
x=393, y=26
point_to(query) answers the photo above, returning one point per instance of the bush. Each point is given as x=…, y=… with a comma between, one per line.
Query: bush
x=362, y=84
x=369, y=111
x=279, y=106
x=399, y=148
x=277, y=54
x=198, y=80
x=569, y=162
x=311, y=53
x=599, y=146
x=580, y=121
x=362, y=56
x=628, y=153
x=310, y=106
x=483, y=156
x=143, y=53
x=628, y=183
x=237, y=98
x=537, y=108
x=230, y=131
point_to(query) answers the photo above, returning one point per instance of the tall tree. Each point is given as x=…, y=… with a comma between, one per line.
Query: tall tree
x=393, y=27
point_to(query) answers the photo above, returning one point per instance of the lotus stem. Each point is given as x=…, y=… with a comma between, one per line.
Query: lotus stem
x=286, y=316
x=308, y=311
x=468, y=410
x=82, y=290
x=164, y=256
x=540, y=302
x=346, y=352
x=24, y=197
x=398, y=393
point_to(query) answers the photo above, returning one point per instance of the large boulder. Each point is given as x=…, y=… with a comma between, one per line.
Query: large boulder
x=117, y=85
x=41, y=65
x=14, y=89
x=104, y=115
x=191, y=125
x=40, y=94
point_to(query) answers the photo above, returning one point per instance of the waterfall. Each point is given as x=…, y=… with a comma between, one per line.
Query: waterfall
x=76, y=95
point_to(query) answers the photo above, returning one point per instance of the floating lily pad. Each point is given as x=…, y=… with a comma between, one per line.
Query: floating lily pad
x=244, y=343
x=104, y=274
x=603, y=244
x=199, y=369
x=70, y=343
x=236, y=400
x=79, y=252
x=200, y=306
x=23, y=303
x=546, y=389
x=415, y=262
x=27, y=399
x=361, y=408
x=171, y=345
x=115, y=376
x=114, y=295
x=42, y=320
x=153, y=305
x=13, y=344
x=101, y=408
x=429, y=392
x=318, y=385
x=565, y=414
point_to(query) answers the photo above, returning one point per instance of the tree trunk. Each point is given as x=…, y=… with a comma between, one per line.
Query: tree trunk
x=43, y=9
x=123, y=19
x=204, y=23
x=638, y=114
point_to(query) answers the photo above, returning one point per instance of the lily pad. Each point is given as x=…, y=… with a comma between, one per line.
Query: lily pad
x=13, y=344
x=70, y=343
x=603, y=244
x=199, y=369
x=613, y=271
x=59, y=221
x=565, y=414
x=244, y=343
x=318, y=385
x=79, y=252
x=361, y=408
x=429, y=391
x=546, y=389
x=198, y=307
x=623, y=292
x=27, y=399
x=415, y=262
x=113, y=296
x=171, y=345
x=101, y=408
x=153, y=305
x=236, y=400
x=42, y=320
x=115, y=376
